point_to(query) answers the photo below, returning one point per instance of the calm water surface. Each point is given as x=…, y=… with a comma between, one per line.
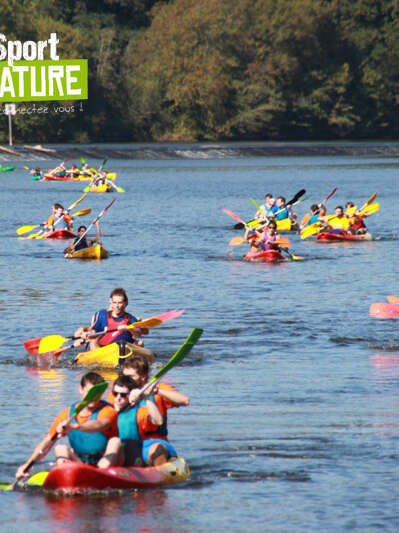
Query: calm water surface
x=293, y=421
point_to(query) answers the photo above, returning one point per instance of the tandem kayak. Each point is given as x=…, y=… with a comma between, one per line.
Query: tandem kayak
x=60, y=234
x=267, y=256
x=72, y=477
x=325, y=236
x=6, y=169
x=384, y=310
x=91, y=252
x=112, y=355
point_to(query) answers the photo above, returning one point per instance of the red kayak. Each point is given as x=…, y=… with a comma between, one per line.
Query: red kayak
x=77, y=477
x=384, y=310
x=60, y=234
x=267, y=256
x=50, y=177
x=325, y=236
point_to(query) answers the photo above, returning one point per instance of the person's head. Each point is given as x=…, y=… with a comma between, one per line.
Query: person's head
x=81, y=230
x=37, y=169
x=58, y=209
x=348, y=205
x=280, y=201
x=86, y=383
x=118, y=301
x=339, y=211
x=121, y=388
x=314, y=208
x=137, y=368
x=271, y=227
x=269, y=200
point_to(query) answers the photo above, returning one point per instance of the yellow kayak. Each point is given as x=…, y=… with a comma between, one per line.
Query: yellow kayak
x=112, y=355
x=101, y=188
x=109, y=176
x=92, y=252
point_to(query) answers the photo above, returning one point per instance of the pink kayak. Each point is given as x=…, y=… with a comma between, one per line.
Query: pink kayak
x=325, y=236
x=60, y=234
x=50, y=177
x=267, y=256
x=384, y=310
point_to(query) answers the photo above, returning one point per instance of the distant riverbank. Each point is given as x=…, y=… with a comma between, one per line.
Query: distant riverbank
x=199, y=150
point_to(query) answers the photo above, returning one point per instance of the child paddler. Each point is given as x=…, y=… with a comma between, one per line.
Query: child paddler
x=93, y=435
x=135, y=420
x=113, y=318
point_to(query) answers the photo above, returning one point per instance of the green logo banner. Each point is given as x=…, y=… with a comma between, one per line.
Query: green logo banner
x=28, y=81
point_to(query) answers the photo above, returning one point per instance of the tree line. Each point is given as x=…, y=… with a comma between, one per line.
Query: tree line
x=193, y=70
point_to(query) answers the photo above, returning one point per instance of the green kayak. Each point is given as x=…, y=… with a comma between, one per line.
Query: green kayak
x=5, y=169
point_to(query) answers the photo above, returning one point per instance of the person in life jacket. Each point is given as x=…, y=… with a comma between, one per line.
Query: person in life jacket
x=81, y=241
x=93, y=435
x=165, y=397
x=59, y=219
x=135, y=420
x=105, y=322
x=267, y=209
x=339, y=223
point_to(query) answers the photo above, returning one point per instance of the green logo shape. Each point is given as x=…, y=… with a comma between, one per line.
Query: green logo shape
x=29, y=81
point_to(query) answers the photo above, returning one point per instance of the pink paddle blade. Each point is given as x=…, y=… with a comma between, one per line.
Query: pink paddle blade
x=169, y=315
x=384, y=310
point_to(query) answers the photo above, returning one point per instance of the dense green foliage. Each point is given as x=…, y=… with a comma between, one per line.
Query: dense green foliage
x=215, y=69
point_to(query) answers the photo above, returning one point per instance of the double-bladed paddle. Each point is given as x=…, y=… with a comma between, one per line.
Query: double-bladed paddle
x=53, y=342
x=26, y=229
x=93, y=394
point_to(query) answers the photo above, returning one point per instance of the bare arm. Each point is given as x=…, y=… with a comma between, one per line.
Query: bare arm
x=174, y=396
x=41, y=450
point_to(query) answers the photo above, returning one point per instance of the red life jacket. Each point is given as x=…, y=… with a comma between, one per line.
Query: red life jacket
x=112, y=324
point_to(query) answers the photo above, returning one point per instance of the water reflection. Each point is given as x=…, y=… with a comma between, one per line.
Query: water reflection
x=385, y=368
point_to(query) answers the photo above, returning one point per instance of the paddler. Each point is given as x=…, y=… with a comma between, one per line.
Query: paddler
x=268, y=209
x=58, y=171
x=59, y=219
x=113, y=318
x=93, y=435
x=81, y=241
x=266, y=239
x=156, y=447
x=339, y=223
x=136, y=419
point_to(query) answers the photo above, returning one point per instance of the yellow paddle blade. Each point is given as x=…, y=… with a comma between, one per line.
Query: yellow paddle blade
x=370, y=209
x=393, y=299
x=78, y=201
x=254, y=224
x=313, y=229
x=25, y=229
x=37, y=479
x=147, y=323
x=51, y=343
x=284, y=225
x=371, y=199
x=236, y=241
x=82, y=213
x=351, y=211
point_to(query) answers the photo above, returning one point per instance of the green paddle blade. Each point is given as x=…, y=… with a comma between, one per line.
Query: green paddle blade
x=180, y=354
x=87, y=189
x=93, y=395
x=51, y=343
x=255, y=203
x=7, y=486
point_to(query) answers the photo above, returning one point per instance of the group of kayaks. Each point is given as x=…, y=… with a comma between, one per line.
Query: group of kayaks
x=320, y=230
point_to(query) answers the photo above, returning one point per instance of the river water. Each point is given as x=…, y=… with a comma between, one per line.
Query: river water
x=293, y=420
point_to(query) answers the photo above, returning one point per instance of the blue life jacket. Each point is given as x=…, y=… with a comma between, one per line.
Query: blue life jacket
x=127, y=424
x=60, y=224
x=89, y=446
